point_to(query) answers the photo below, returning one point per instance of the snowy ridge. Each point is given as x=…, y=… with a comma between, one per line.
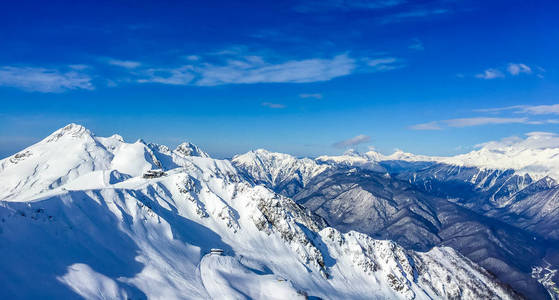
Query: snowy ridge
x=536, y=155
x=279, y=170
x=73, y=153
x=126, y=236
x=370, y=159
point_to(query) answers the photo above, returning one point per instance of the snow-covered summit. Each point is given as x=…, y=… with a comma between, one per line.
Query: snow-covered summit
x=352, y=158
x=280, y=170
x=189, y=149
x=71, y=130
x=370, y=159
x=74, y=152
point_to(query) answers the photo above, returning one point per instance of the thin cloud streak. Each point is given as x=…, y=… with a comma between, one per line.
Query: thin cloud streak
x=251, y=70
x=414, y=14
x=342, y=5
x=273, y=105
x=360, y=139
x=426, y=126
x=313, y=96
x=44, y=80
x=385, y=64
x=417, y=45
x=258, y=71
x=468, y=122
x=128, y=64
x=476, y=121
x=525, y=109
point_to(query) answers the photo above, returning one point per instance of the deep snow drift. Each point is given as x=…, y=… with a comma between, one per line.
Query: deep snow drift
x=78, y=219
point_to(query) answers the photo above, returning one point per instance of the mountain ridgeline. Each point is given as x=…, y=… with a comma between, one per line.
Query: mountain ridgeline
x=83, y=216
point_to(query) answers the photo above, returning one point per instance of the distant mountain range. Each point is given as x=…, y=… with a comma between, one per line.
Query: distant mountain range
x=91, y=217
x=498, y=205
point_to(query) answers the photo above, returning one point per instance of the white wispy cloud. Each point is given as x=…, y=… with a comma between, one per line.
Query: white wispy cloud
x=525, y=109
x=313, y=96
x=272, y=105
x=128, y=64
x=513, y=69
x=477, y=121
x=175, y=76
x=343, y=5
x=192, y=57
x=516, y=69
x=490, y=74
x=517, y=114
x=256, y=70
x=234, y=66
x=36, y=79
x=426, y=126
x=385, y=63
x=414, y=14
x=540, y=109
x=252, y=69
x=360, y=139
x=79, y=67
x=390, y=11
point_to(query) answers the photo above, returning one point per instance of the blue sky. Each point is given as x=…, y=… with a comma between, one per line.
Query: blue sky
x=304, y=77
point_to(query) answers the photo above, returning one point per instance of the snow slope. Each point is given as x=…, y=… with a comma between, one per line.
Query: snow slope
x=125, y=236
x=74, y=153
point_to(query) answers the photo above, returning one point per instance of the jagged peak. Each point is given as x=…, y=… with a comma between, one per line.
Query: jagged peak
x=189, y=149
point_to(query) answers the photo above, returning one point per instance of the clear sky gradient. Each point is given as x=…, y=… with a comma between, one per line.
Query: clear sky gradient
x=302, y=77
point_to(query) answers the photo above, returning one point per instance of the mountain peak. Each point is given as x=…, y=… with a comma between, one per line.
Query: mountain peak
x=71, y=130
x=189, y=149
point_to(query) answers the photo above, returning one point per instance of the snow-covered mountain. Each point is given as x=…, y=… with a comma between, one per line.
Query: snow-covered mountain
x=536, y=155
x=75, y=155
x=502, y=215
x=370, y=159
x=284, y=172
x=93, y=217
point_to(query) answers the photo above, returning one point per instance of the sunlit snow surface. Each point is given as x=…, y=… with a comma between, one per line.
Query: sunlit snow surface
x=537, y=155
x=77, y=219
